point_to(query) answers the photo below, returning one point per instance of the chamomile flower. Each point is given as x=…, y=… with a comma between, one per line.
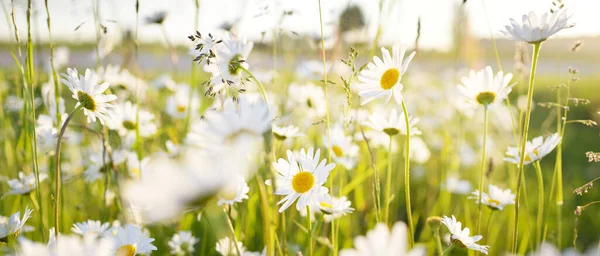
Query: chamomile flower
x=380, y=241
x=88, y=94
x=535, y=149
x=99, y=164
x=284, y=132
x=178, y=103
x=132, y=240
x=226, y=247
x=383, y=78
x=182, y=243
x=68, y=245
x=126, y=119
x=135, y=166
x=536, y=30
x=344, y=150
x=395, y=124
x=336, y=208
x=307, y=99
x=228, y=67
x=234, y=192
x=301, y=177
x=14, y=225
x=484, y=88
x=462, y=237
x=91, y=227
x=496, y=198
x=24, y=184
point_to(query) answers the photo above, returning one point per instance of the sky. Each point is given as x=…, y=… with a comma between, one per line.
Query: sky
x=253, y=17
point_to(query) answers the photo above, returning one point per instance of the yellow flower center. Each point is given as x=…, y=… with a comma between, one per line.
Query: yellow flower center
x=493, y=202
x=326, y=205
x=86, y=100
x=180, y=108
x=129, y=125
x=337, y=151
x=136, y=173
x=535, y=152
x=235, y=64
x=485, y=98
x=389, y=78
x=303, y=182
x=126, y=250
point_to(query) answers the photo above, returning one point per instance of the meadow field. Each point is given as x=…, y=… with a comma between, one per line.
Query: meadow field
x=337, y=143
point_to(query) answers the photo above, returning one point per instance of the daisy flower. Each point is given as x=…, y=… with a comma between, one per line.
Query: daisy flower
x=99, y=164
x=534, y=150
x=284, y=132
x=336, y=208
x=88, y=94
x=14, y=225
x=135, y=166
x=496, y=198
x=228, y=65
x=182, y=243
x=132, y=240
x=226, y=247
x=24, y=184
x=380, y=241
x=68, y=245
x=234, y=192
x=483, y=88
x=178, y=103
x=344, y=150
x=126, y=119
x=536, y=30
x=395, y=124
x=461, y=237
x=382, y=78
x=91, y=227
x=301, y=177
x=307, y=99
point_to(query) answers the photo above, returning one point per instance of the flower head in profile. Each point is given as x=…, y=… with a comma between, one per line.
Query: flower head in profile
x=536, y=30
x=156, y=18
x=234, y=192
x=496, y=198
x=132, y=240
x=226, y=247
x=380, y=241
x=89, y=94
x=284, y=132
x=382, y=78
x=345, y=151
x=336, y=207
x=484, y=88
x=91, y=227
x=14, y=224
x=24, y=184
x=178, y=103
x=182, y=243
x=127, y=118
x=462, y=237
x=228, y=66
x=393, y=125
x=534, y=150
x=301, y=177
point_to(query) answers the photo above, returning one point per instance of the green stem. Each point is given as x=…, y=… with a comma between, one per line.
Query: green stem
x=540, y=213
x=266, y=220
x=449, y=249
x=260, y=86
x=482, y=174
x=388, y=183
x=489, y=223
x=438, y=240
x=558, y=167
x=232, y=233
x=310, y=233
x=407, y=177
x=96, y=7
x=536, y=53
x=57, y=178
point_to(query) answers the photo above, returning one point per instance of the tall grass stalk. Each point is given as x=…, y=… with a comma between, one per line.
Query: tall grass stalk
x=96, y=11
x=540, y=213
x=558, y=163
x=411, y=232
x=232, y=233
x=192, y=73
x=388, y=182
x=138, y=138
x=310, y=231
x=483, y=167
x=534, y=59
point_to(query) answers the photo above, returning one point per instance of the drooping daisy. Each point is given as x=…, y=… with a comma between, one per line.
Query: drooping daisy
x=24, y=184
x=88, y=94
x=534, y=150
x=380, y=241
x=178, y=103
x=344, y=150
x=132, y=240
x=483, y=88
x=461, y=237
x=126, y=119
x=182, y=243
x=496, y=198
x=382, y=78
x=284, y=132
x=301, y=177
x=226, y=247
x=234, y=192
x=91, y=227
x=14, y=225
x=533, y=30
x=337, y=208
x=394, y=125
x=230, y=61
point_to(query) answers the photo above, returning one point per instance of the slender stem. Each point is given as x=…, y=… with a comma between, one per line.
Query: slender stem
x=482, y=173
x=438, y=240
x=388, y=183
x=325, y=81
x=232, y=233
x=559, y=179
x=310, y=233
x=266, y=220
x=540, y=213
x=284, y=233
x=407, y=177
x=260, y=86
x=96, y=7
x=489, y=222
x=449, y=249
x=376, y=184
x=57, y=178
x=536, y=53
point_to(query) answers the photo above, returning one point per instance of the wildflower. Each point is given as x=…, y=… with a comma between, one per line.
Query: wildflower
x=301, y=177
x=380, y=241
x=534, y=150
x=497, y=198
x=383, y=78
x=14, y=225
x=461, y=237
x=336, y=208
x=284, y=132
x=228, y=67
x=234, y=192
x=132, y=240
x=127, y=118
x=182, y=243
x=533, y=30
x=91, y=227
x=483, y=88
x=394, y=125
x=88, y=94
x=344, y=150
x=178, y=104
x=135, y=166
x=156, y=18
x=226, y=247
x=24, y=184
x=68, y=245
x=307, y=99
